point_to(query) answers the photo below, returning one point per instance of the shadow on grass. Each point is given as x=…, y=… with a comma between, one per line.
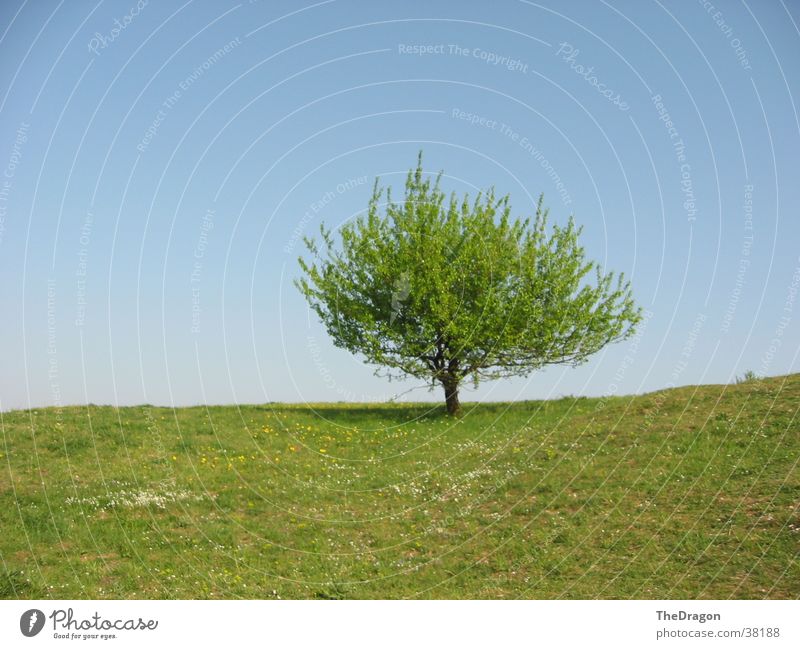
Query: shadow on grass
x=345, y=412
x=403, y=412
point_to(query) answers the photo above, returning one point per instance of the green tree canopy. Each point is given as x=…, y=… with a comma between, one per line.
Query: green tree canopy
x=446, y=289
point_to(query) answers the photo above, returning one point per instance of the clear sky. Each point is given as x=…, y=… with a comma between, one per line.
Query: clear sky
x=160, y=160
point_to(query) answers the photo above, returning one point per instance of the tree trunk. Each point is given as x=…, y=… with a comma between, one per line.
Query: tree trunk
x=451, y=396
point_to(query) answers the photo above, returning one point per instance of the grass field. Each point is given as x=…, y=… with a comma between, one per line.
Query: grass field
x=687, y=493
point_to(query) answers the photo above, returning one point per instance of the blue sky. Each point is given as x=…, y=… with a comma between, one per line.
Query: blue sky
x=159, y=161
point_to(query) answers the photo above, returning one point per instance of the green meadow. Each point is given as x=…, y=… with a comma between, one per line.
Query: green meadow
x=692, y=492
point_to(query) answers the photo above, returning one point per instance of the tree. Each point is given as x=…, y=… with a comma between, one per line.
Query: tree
x=447, y=289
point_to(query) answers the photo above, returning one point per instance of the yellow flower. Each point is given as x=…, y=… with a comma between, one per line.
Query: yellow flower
x=322, y=450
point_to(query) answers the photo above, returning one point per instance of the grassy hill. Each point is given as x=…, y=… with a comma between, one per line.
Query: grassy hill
x=686, y=493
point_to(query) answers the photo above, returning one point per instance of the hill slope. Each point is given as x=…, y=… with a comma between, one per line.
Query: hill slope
x=686, y=493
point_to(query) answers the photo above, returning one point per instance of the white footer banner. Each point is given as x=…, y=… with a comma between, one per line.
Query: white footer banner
x=381, y=624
